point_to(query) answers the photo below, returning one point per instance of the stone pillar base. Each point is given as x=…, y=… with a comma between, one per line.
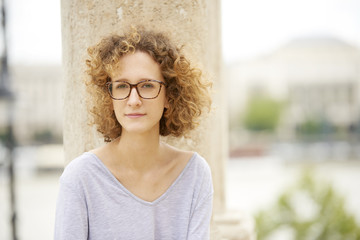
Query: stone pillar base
x=233, y=225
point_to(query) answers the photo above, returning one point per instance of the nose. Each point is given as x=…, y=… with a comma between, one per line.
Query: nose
x=134, y=98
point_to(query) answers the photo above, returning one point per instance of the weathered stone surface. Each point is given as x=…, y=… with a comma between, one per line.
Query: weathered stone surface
x=234, y=225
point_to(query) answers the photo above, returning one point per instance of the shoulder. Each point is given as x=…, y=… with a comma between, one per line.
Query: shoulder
x=191, y=161
x=197, y=177
x=81, y=162
x=81, y=167
x=195, y=167
x=198, y=173
x=200, y=161
x=200, y=166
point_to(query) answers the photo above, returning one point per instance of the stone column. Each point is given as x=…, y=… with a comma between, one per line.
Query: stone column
x=193, y=22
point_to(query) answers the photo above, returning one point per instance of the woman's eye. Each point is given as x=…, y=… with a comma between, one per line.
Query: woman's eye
x=121, y=86
x=148, y=85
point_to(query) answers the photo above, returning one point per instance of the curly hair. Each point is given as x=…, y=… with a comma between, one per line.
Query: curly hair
x=187, y=91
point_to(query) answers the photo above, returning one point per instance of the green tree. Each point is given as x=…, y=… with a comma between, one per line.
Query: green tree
x=262, y=114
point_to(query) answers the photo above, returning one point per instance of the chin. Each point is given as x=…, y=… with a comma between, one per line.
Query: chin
x=141, y=130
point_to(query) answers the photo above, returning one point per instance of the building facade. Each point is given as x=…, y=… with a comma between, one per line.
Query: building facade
x=38, y=103
x=317, y=78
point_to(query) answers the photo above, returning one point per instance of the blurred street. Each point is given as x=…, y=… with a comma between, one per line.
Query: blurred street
x=251, y=184
x=36, y=199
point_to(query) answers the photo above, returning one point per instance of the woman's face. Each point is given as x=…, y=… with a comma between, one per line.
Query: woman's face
x=135, y=114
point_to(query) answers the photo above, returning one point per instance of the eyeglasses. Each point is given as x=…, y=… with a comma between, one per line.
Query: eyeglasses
x=147, y=89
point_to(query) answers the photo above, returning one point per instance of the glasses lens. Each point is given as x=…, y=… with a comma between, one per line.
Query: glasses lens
x=146, y=89
x=119, y=90
x=149, y=89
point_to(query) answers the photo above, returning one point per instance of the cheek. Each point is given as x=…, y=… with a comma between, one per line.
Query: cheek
x=164, y=99
x=116, y=108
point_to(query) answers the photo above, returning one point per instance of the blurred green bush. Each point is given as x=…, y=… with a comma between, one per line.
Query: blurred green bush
x=45, y=136
x=262, y=113
x=310, y=210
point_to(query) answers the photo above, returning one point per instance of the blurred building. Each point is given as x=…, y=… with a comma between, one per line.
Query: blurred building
x=38, y=104
x=319, y=78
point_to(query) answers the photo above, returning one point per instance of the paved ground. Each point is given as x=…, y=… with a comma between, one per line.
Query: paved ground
x=36, y=198
x=251, y=184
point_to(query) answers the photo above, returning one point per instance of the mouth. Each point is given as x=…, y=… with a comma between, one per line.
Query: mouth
x=134, y=115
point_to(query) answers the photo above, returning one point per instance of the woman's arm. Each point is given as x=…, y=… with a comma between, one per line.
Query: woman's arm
x=71, y=221
x=199, y=227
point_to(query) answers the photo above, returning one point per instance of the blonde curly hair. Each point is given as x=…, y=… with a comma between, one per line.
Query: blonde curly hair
x=187, y=91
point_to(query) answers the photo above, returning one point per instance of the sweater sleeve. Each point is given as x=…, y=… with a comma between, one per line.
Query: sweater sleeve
x=199, y=226
x=71, y=220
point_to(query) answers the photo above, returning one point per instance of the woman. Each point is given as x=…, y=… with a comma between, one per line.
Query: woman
x=135, y=186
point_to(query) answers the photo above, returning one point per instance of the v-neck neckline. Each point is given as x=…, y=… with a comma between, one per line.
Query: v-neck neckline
x=128, y=192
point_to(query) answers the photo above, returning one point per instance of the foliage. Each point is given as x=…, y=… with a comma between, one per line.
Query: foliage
x=2, y=137
x=313, y=126
x=310, y=210
x=46, y=136
x=262, y=114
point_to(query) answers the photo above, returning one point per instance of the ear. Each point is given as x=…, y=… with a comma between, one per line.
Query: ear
x=112, y=105
x=167, y=105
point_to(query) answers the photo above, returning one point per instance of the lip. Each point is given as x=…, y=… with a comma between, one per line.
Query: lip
x=134, y=115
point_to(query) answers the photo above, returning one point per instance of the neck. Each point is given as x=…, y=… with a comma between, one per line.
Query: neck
x=138, y=151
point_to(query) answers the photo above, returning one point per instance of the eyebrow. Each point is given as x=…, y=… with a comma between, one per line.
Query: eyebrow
x=141, y=80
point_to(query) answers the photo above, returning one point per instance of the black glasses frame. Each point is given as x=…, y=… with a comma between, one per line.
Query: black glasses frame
x=109, y=87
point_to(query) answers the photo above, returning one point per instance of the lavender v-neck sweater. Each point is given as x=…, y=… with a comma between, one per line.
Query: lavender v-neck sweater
x=93, y=204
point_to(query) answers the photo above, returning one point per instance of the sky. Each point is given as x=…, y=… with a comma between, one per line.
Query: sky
x=249, y=27
x=254, y=27
x=34, y=31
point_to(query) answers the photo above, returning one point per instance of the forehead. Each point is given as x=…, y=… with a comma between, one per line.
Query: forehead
x=135, y=65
